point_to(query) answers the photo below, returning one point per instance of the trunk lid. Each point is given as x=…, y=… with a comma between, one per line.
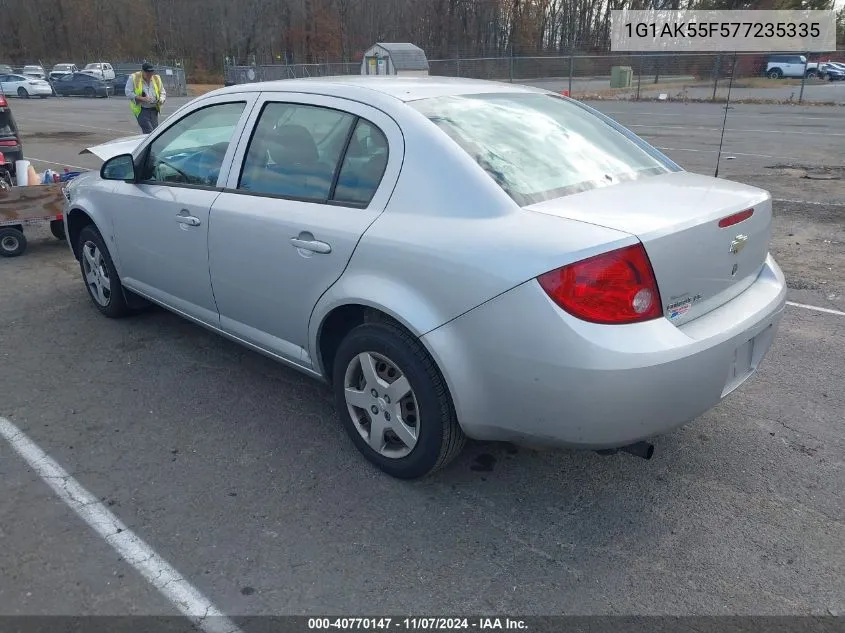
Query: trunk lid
x=699, y=265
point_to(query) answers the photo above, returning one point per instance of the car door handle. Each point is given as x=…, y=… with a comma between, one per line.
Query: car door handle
x=315, y=246
x=188, y=219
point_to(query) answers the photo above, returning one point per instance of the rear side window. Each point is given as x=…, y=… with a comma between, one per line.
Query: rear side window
x=363, y=166
x=314, y=154
x=539, y=146
x=294, y=151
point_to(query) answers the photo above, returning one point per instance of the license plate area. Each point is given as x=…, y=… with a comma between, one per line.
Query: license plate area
x=746, y=358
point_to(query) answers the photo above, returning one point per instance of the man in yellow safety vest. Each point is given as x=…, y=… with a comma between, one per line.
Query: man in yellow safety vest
x=146, y=95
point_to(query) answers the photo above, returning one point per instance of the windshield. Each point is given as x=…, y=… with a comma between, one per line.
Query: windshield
x=539, y=146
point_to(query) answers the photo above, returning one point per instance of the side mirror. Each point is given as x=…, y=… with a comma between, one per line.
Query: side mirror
x=120, y=167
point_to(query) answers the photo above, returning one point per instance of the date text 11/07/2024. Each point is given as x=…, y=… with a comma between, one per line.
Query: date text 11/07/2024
x=417, y=624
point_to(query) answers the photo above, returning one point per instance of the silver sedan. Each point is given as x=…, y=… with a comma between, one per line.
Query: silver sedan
x=455, y=258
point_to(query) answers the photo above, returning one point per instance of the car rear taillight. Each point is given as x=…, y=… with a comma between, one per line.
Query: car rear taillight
x=3, y=102
x=611, y=288
x=8, y=143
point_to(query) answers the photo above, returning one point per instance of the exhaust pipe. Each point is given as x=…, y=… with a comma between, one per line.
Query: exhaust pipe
x=639, y=449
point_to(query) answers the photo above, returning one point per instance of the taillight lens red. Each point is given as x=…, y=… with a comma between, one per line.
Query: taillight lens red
x=8, y=143
x=611, y=288
x=3, y=102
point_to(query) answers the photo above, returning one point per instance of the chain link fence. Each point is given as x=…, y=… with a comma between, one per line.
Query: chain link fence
x=172, y=73
x=687, y=77
x=243, y=74
x=172, y=76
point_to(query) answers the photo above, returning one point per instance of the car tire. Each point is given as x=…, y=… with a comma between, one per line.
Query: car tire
x=424, y=411
x=90, y=92
x=57, y=228
x=775, y=73
x=98, y=271
x=812, y=74
x=22, y=93
x=12, y=242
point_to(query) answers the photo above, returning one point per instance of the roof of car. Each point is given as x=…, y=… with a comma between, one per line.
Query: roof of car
x=397, y=87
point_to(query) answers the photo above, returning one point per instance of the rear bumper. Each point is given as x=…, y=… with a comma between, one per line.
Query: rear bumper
x=521, y=369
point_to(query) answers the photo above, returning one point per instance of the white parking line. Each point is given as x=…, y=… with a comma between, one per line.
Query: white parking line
x=816, y=308
x=732, y=115
x=713, y=151
x=170, y=583
x=53, y=162
x=813, y=202
x=25, y=119
x=732, y=129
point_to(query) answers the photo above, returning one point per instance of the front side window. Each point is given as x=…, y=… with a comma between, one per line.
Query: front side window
x=538, y=146
x=191, y=152
x=294, y=151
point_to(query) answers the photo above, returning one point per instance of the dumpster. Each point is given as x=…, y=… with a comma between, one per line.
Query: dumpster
x=621, y=76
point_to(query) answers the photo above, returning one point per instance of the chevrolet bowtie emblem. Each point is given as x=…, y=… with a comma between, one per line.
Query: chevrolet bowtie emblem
x=738, y=243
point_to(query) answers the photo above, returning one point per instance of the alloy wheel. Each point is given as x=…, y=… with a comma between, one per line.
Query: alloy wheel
x=96, y=273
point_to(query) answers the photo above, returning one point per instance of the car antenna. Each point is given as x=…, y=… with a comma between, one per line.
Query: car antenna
x=725, y=119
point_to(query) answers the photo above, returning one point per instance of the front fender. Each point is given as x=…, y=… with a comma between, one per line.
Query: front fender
x=84, y=201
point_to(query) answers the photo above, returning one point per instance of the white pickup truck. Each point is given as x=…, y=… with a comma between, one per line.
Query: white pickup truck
x=101, y=70
x=792, y=66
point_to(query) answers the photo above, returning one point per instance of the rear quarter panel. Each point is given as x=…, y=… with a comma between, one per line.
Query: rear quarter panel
x=451, y=239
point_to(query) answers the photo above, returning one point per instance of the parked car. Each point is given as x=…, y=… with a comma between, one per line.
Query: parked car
x=5, y=69
x=25, y=87
x=60, y=70
x=10, y=139
x=832, y=71
x=454, y=257
x=100, y=69
x=34, y=70
x=119, y=82
x=790, y=66
x=82, y=84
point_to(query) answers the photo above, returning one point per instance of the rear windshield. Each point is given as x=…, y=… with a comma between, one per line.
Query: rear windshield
x=539, y=146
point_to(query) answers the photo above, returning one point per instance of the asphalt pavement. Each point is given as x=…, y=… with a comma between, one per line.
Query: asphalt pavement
x=235, y=470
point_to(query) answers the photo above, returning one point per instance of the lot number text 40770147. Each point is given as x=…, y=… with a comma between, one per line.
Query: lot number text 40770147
x=417, y=624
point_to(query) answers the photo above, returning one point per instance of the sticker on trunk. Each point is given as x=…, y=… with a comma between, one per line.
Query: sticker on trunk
x=679, y=308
